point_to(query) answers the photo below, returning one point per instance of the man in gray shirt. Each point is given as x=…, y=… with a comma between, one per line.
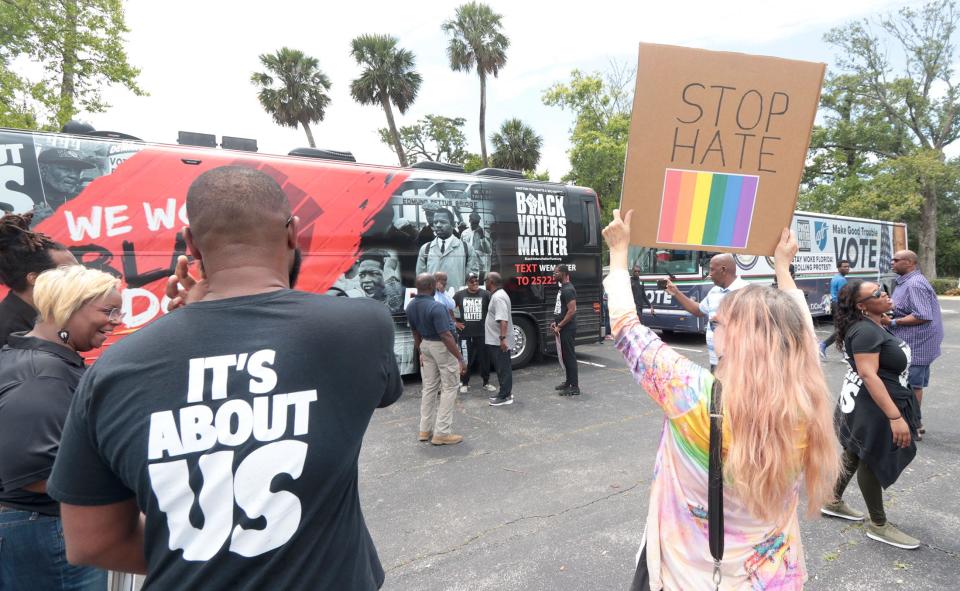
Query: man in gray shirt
x=498, y=336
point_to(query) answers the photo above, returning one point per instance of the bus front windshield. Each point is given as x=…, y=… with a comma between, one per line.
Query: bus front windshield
x=661, y=261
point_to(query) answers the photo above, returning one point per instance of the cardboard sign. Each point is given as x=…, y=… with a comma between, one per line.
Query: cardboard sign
x=717, y=147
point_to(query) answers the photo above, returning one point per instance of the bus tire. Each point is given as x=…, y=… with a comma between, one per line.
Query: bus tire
x=525, y=342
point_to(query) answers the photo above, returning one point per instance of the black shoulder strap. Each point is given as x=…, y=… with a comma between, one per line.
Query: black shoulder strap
x=715, y=481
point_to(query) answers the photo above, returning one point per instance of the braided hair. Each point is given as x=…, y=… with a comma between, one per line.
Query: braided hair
x=23, y=251
x=847, y=311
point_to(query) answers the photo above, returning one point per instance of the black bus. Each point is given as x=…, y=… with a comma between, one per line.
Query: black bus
x=118, y=203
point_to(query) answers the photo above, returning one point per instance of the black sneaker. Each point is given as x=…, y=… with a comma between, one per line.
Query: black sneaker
x=571, y=391
x=562, y=386
x=501, y=401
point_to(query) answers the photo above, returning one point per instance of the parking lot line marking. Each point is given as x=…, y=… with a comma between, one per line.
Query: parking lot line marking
x=687, y=349
x=589, y=363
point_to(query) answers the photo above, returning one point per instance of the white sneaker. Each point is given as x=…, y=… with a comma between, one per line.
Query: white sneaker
x=463, y=389
x=489, y=387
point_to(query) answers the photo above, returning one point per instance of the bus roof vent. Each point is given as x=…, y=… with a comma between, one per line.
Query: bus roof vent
x=323, y=154
x=441, y=166
x=505, y=173
x=114, y=135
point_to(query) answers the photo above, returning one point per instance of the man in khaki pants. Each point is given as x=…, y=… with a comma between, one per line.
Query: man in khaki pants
x=440, y=362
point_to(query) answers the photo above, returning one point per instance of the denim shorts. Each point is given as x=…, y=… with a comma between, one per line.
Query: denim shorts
x=919, y=376
x=33, y=556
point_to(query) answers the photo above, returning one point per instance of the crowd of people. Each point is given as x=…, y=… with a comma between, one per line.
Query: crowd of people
x=250, y=400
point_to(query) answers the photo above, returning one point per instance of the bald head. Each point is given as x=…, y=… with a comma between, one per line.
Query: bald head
x=236, y=205
x=723, y=269
x=425, y=283
x=494, y=281
x=904, y=261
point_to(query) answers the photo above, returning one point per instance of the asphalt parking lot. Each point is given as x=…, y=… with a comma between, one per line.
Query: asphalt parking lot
x=551, y=492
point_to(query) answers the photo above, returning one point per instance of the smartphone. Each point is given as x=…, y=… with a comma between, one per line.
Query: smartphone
x=661, y=284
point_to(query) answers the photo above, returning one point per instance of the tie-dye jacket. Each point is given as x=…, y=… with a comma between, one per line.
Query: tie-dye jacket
x=757, y=555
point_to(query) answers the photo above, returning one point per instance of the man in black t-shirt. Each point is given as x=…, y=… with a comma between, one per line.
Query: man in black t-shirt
x=565, y=327
x=235, y=423
x=472, y=304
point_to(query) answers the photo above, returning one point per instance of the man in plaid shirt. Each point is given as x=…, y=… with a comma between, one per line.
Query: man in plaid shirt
x=916, y=320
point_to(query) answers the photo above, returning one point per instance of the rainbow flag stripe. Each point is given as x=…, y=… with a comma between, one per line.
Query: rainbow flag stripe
x=706, y=208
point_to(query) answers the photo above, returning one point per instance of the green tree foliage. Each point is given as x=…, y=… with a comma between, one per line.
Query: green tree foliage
x=80, y=45
x=388, y=76
x=293, y=89
x=477, y=42
x=435, y=137
x=876, y=114
x=516, y=146
x=601, y=104
x=472, y=163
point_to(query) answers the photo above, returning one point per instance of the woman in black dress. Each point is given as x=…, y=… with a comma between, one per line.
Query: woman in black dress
x=876, y=410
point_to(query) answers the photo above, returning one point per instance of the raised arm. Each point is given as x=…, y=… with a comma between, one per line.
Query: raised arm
x=782, y=257
x=673, y=381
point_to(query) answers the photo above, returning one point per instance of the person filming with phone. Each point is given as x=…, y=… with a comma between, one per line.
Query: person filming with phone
x=723, y=272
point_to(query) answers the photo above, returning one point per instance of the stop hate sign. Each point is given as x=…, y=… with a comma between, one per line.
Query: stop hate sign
x=717, y=146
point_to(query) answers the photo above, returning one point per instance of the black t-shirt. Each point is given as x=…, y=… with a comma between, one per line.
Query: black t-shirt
x=237, y=425
x=567, y=294
x=472, y=310
x=37, y=381
x=866, y=337
x=863, y=426
x=16, y=315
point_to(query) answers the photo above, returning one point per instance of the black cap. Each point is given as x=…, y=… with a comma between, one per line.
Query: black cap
x=63, y=157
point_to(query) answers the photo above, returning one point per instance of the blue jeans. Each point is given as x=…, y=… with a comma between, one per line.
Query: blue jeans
x=33, y=557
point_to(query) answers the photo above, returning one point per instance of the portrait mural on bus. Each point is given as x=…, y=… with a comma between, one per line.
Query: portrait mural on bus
x=429, y=225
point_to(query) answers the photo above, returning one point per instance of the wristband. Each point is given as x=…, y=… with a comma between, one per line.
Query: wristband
x=896, y=418
x=503, y=338
x=893, y=322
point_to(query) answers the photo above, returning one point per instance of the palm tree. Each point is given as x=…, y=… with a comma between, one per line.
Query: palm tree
x=388, y=77
x=476, y=42
x=516, y=146
x=301, y=95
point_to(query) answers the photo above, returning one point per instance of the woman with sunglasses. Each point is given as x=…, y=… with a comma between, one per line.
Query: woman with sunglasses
x=876, y=410
x=39, y=371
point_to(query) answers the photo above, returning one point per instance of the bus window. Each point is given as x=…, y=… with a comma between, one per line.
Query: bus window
x=589, y=222
x=661, y=261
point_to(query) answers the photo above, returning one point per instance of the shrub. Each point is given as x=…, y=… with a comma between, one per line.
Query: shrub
x=942, y=284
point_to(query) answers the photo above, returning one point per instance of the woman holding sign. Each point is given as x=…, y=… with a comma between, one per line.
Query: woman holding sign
x=776, y=436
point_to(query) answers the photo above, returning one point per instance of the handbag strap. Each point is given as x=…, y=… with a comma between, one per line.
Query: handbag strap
x=715, y=482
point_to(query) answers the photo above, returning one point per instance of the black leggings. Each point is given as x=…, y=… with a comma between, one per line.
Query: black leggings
x=869, y=486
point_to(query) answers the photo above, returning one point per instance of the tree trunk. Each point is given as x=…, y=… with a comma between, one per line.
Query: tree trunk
x=69, y=63
x=483, y=116
x=385, y=101
x=306, y=129
x=928, y=230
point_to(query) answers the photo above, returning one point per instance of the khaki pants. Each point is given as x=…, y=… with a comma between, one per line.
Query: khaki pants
x=440, y=373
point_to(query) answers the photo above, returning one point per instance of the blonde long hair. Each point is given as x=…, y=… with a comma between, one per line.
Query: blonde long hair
x=776, y=403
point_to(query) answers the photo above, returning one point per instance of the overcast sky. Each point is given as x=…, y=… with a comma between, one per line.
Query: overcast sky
x=196, y=59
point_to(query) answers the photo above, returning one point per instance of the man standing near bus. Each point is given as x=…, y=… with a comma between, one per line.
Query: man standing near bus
x=498, y=335
x=836, y=284
x=446, y=252
x=472, y=304
x=233, y=424
x=916, y=320
x=723, y=272
x=564, y=326
x=440, y=361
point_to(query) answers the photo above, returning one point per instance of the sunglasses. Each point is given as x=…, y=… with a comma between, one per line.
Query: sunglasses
x=876, y=295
